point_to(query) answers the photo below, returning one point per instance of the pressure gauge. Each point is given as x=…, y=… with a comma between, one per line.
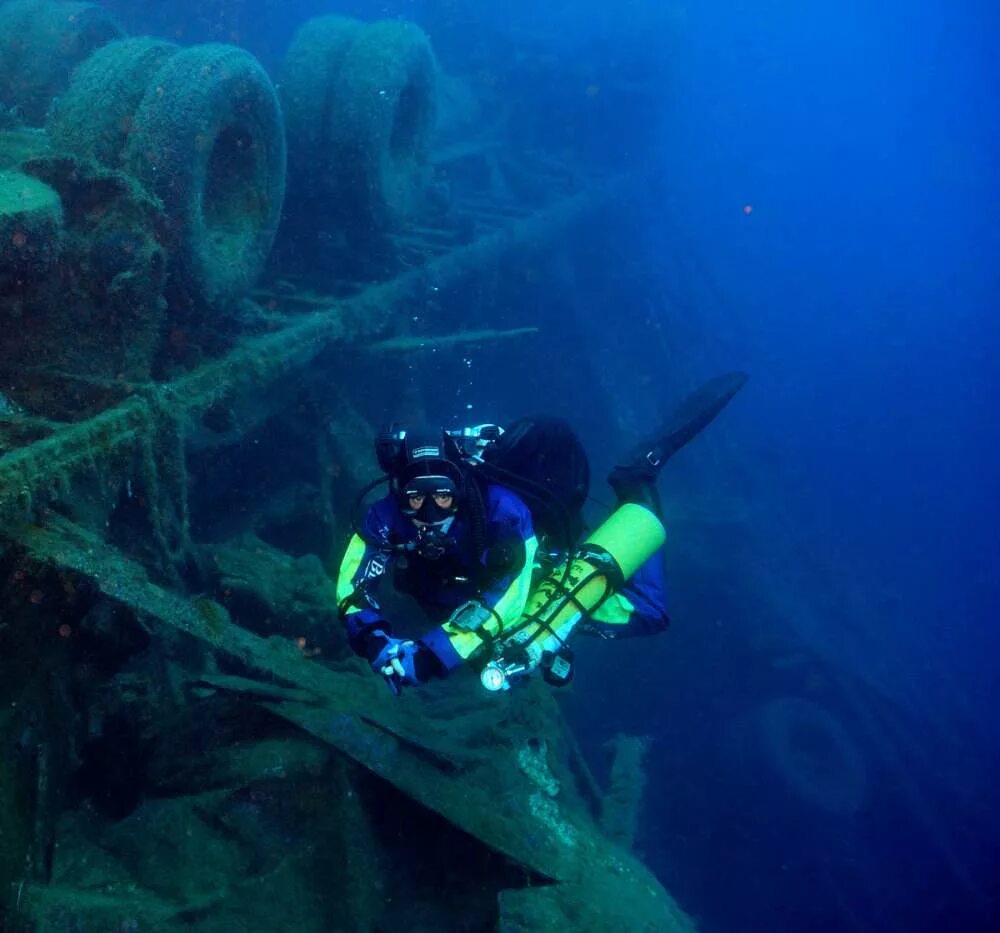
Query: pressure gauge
x=494, y=678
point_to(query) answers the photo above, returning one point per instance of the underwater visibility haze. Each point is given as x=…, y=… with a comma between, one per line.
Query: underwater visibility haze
x=508, y=467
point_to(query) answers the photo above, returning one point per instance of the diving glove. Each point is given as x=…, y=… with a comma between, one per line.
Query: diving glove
x=402, y=662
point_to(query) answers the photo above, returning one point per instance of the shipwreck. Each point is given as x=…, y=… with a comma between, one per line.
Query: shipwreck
x=187, y=742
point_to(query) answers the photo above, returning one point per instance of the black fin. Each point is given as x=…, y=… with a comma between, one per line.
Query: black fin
x=691, y=417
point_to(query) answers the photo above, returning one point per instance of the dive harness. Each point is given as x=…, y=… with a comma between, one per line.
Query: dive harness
x=609, y=557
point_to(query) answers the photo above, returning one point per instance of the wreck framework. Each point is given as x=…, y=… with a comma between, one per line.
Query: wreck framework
x=498, y=791
x=142, y=185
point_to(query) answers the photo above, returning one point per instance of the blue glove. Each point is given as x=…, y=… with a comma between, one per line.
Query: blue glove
x=403, y=663
x=394, y=660
x=401, y=671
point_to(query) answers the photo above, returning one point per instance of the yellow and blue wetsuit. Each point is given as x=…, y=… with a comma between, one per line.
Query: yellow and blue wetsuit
x=499, y=578
x=499, y=581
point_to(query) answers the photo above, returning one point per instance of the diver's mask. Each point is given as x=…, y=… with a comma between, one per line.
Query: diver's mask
x=429, y=500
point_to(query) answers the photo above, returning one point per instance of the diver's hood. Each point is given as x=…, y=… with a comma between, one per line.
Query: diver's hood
x=429, y=466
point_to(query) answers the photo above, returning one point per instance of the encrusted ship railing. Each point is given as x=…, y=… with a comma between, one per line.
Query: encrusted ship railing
x=103, y=442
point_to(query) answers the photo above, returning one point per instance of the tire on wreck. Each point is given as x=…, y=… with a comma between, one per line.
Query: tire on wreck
x=385, y=104
x=308, y=84
x=811, y=755
x=208, y=141
x=31, y=220
x=93, y=119
x=45, y=42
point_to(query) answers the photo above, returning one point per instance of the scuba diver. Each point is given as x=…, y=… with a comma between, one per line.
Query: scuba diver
x=482, y=527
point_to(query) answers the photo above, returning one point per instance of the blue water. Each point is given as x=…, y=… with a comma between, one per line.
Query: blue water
x=817, y=205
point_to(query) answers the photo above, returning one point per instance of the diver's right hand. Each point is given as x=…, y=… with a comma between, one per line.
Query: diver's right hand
x=383, y=653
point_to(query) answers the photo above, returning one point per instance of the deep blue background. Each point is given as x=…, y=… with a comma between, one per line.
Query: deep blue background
x=864, y=284
x=846, y=507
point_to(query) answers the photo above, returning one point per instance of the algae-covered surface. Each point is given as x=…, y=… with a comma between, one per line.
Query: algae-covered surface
x=18, y=144
x=187, y=740
x=23, y=194
x=245, y=767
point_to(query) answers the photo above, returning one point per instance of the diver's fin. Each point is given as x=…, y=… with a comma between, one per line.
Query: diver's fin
x=691, y=417
x=635, y=479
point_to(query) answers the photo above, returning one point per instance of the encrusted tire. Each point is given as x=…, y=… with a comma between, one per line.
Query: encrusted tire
x=94, y=117
x=385, y=104
x=44, y=42
x=31, y=221
x=812, y=755
x=308, y=85
x=208, y=140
